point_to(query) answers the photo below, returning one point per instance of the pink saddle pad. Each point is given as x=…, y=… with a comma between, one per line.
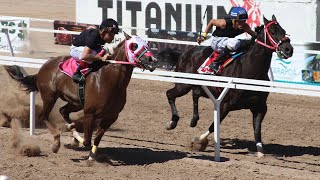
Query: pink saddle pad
x=70, y=66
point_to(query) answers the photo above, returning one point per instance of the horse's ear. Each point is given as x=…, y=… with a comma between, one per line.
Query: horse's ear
x=265, y=20
x=274, y=18
x=126, y=35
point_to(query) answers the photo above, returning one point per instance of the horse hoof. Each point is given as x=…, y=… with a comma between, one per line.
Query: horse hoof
x=92, y=156
x=260, y=154
x=73, y=145
x=56, y=143
x=55, y=148
x=171, y=125
x=193, y=123
x=175, y=118
x=198, y=145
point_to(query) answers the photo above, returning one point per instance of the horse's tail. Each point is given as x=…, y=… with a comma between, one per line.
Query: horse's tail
x=29, y=83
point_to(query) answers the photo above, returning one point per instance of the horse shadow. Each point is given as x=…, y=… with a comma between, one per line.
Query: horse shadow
x=275, y=149
x=124, y=156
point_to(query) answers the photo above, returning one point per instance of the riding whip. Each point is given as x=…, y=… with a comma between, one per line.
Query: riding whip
x=204, y=15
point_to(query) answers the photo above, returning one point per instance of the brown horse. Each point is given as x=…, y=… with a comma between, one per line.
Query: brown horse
x=105, y=91
x=254, y=64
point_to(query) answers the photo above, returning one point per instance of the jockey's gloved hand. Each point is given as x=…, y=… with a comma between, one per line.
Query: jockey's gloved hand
x=101, y=53
x=202, y=38
x=253, y=39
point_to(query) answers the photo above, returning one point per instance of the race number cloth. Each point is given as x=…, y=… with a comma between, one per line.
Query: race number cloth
x=204, y=68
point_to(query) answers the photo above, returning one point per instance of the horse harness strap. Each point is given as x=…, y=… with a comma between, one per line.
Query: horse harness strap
x=274, y=45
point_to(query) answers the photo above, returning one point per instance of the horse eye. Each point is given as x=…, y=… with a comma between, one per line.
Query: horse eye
x=134, y=46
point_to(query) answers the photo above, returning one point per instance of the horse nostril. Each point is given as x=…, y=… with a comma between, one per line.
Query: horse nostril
x=288, y=50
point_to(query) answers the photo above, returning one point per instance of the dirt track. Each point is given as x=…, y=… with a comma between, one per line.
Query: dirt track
x=138, y=146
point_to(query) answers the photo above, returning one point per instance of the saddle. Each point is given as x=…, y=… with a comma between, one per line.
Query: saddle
x=70, y=66
x=204, y=68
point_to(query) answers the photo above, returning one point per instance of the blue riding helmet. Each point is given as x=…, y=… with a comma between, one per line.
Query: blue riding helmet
x=238, y=13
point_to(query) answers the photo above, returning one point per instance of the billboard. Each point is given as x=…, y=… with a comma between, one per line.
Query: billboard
x=18, y=38
x=299, y=20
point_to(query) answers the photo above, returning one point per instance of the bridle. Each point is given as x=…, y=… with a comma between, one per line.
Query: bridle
x=274, y=45
x=133, y=57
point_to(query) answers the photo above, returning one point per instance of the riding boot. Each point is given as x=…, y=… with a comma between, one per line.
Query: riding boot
x=215, y=65
x=77, y=75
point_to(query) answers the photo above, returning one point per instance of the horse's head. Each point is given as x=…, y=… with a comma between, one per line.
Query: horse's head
x=274, y=37
x=137, y=52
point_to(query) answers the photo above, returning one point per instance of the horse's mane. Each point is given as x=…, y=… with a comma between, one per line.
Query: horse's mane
x=117, y=49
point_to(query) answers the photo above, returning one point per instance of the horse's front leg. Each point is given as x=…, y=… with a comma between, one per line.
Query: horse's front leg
x=178, y=91
x=104, y=125
x=258, y=113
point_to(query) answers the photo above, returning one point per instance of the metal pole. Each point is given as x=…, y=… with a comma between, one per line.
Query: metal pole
x=216, y=115
x=216, y=118
x=9, y=43
x=32, y=113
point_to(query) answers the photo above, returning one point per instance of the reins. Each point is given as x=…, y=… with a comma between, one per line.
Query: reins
x=121, y=62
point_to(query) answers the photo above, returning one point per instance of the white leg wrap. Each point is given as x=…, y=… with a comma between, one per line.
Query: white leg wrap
x=204, y=136
x=76, y=135
x=70, y=126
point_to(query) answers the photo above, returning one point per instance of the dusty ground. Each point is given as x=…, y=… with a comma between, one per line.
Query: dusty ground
x=138, y=146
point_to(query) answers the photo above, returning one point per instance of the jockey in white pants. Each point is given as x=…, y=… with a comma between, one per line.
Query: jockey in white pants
x=223, y=37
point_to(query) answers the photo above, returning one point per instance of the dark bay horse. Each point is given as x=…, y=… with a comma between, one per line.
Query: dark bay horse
x=252, y=65
x=105, y=90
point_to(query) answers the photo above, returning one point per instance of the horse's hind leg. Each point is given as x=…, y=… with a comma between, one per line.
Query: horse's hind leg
x=258, y=113
x=178, y=91
x=104, y=125
x=196, y=93
x=200, y=144
x=65, y=112
x=48, y=103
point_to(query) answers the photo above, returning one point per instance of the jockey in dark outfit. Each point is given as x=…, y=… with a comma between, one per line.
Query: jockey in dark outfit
x=223, y=40
x=87, y=47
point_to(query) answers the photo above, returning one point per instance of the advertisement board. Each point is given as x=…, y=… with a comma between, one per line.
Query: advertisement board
x=18, y=38
x=298, y=17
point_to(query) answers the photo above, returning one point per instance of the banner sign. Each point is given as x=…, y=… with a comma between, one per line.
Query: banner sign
x=18, y=38
x=302, y=68
x=65, y=39
x=187, y=15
